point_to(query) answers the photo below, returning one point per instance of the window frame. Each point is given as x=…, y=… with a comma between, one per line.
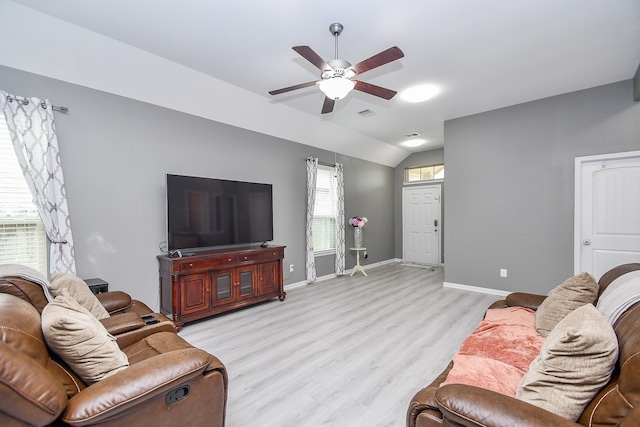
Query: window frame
x=326, y=170
x=433, y=167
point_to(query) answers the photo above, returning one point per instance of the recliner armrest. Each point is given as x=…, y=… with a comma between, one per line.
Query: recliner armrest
x=123, y=391
x=473, y=406
x=522, y=299
x=122, y=323
x=114, y=301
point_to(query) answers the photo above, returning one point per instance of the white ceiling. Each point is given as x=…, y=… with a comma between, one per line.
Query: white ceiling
x=482, y=55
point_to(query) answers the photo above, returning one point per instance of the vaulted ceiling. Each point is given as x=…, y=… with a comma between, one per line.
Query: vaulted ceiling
x=219, y=59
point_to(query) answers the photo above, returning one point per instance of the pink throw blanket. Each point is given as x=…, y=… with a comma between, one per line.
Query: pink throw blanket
x=498, y=353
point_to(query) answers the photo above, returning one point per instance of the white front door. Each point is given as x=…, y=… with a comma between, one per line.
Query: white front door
x=607, y=231
x=421, y=224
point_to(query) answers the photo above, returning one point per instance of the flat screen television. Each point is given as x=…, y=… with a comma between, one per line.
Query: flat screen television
x=206, y=212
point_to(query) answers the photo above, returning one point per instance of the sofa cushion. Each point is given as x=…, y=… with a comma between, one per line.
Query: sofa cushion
x=576, y=361
x=572, y=293
x=79, y=290
x=81, y=340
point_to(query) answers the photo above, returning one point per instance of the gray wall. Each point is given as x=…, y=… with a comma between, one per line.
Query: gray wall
x=423, y=158
x=510, y=183
x=116, y=152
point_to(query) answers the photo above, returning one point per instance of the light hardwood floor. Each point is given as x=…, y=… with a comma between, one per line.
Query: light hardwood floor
x=344, y=352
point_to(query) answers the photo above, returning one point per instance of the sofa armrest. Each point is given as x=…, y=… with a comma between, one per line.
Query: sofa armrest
x=114, y=301
x=122, y=392
x=473, y=406
x=122, y=323
x=157, y=323
x=521, y=299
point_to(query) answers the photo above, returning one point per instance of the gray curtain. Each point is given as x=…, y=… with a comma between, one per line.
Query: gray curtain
x=312, y=176
x=340, y=249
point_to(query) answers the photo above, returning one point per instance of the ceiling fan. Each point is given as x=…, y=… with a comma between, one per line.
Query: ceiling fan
x=336, y=74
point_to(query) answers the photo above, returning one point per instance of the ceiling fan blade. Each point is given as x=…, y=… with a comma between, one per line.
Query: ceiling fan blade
x=381, y=58
x=307, y=53
x=290, y=88
x=327, y=107
x=374, y=90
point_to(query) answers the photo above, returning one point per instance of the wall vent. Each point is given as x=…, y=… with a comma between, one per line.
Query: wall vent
x=367, y=113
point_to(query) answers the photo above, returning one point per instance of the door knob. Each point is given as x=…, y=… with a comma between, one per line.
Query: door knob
x=586, y=242
x=435, y=222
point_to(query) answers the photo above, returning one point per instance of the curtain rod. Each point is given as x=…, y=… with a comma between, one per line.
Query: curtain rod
x=323, y=163
x=25, y=101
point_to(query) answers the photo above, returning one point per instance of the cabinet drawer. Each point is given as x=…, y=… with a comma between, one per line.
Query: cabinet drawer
x=264, y=255
x=185, y=266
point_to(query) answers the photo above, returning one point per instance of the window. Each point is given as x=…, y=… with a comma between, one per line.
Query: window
x=424, y=173
x=324, y=212
x=22, y=237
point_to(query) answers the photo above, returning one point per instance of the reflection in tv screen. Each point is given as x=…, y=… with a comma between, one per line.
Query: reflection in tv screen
x=207, y=212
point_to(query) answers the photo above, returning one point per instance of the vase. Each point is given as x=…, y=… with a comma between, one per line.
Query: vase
x=357, y=237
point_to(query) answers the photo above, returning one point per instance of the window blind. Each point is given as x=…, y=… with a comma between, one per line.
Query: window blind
x=324, y=211
x=22, y=236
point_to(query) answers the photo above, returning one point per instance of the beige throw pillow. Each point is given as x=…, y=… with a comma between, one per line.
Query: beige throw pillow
x=576, y=361
x=79, y=290
x=574, y=292
x=81, y=340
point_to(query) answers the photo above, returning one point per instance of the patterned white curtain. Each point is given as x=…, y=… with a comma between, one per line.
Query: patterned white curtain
x=312, y=176
x=32, y=129
x=339, y=219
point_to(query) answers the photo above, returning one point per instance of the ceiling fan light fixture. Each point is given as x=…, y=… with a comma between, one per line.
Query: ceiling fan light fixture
x=336, y=87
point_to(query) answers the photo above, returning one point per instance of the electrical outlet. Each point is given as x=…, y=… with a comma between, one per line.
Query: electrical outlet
x=503, y=272
x=291, y=268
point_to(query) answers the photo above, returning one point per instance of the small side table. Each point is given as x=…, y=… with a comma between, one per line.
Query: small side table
x=358, y=267
x=97, y=285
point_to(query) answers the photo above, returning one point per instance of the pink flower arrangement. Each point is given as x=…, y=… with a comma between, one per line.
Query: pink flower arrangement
x=358, y=221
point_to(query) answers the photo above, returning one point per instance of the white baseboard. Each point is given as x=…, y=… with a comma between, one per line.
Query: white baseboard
x=476, y=289
x=332, y=275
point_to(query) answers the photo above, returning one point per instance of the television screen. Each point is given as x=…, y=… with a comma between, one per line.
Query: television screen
x=206, y=212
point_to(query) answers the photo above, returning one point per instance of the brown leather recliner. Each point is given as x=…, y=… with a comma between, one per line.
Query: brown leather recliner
x=168, y=381
x=616, y=404
x=130, y=320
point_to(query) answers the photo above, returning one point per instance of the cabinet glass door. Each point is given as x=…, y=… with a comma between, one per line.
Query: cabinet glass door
x=223, y=285
x=246, y=282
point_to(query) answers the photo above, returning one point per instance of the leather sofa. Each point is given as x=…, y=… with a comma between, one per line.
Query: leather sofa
x=168, y=381
x=616, y=404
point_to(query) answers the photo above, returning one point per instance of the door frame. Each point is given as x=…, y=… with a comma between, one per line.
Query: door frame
x=577, y=193
x=440, y=226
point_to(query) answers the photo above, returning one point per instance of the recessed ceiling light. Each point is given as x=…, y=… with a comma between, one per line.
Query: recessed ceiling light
x=414, y=142
x=419, y=93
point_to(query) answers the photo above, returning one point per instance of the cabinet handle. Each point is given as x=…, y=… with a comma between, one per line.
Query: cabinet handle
x=190, y=265
x=245, y=258
x=229, y=260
